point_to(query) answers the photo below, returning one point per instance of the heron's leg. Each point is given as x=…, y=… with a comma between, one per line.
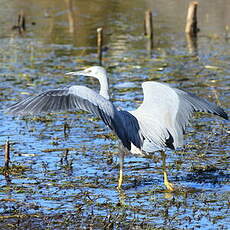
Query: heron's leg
x=120, y=179
x=168, y=185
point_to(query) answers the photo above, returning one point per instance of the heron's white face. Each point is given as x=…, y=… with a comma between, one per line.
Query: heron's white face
x=94, y=71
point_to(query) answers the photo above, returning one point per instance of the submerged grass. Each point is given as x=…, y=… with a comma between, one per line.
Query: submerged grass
x=14, y=169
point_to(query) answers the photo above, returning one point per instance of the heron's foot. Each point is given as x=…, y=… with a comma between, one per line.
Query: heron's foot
x=119, y=186
x=120, y=180
x=170, y=186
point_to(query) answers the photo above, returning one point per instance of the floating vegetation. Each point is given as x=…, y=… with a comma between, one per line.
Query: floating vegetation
x=14, y=169
x=58, y=150
x=203, y=168
x=212, y=67
x=44, y=119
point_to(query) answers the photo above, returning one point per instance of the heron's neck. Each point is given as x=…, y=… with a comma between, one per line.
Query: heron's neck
x=104, y=90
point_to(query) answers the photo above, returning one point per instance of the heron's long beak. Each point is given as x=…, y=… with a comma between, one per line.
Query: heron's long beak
x=77, y=73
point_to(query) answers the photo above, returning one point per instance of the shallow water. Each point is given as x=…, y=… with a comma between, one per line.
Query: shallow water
x=55, y=188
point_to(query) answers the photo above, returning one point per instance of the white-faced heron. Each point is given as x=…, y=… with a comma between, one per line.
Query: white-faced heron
x=157, y=124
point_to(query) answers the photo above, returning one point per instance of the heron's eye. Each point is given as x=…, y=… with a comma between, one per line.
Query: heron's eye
x=89, y=71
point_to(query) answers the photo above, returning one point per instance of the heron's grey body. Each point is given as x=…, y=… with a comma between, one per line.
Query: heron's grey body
x=158, y=123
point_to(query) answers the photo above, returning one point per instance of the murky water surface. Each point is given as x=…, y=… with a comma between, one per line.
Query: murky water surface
x=68, y=179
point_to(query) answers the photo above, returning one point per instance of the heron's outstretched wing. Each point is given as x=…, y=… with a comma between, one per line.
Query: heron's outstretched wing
x=74, y=98
x=165, y=112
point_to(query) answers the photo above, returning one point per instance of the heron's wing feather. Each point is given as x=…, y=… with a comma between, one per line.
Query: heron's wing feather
x=156, y=116
x=166, y=111
x=74, y=98
x=191, y=103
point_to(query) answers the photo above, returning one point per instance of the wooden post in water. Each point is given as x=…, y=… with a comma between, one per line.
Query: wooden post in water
x=191, y=22
x=99, y=44
x=191, y=44
x=148, y=25
x=21, y=22
x=71, y=15
x=7, y=154
x=191, y=28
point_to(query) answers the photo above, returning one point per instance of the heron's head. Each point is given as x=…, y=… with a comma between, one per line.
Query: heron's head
x=94, y=71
